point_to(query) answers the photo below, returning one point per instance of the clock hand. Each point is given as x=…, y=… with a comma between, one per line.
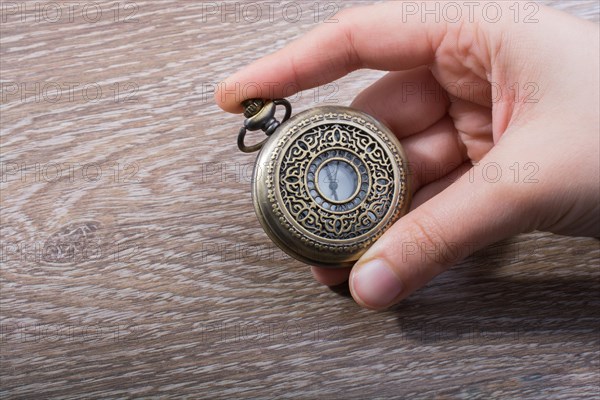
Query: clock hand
x=337, y=166
x=332, y=181
x=328, y=171
x=331, y=175
x=333, y=185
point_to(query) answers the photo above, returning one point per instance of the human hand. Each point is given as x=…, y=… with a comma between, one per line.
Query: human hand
x=518, y=151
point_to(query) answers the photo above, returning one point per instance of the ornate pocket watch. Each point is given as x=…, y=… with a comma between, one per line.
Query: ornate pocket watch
x=327, y=181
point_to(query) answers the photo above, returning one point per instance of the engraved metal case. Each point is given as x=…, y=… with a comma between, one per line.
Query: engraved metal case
x=328, y=183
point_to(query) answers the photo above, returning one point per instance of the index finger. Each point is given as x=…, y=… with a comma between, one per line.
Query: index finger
x=364, y=37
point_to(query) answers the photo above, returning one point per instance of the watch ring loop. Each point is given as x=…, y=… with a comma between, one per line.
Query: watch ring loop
x=274, y=125
x=251, y=148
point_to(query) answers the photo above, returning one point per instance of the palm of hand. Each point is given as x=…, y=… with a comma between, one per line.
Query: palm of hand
x=503, y=95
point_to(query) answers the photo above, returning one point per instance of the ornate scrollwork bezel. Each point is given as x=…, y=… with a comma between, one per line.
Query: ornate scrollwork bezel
x=303, y=227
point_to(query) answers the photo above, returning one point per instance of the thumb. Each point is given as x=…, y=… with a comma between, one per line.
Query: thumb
x=481, y=207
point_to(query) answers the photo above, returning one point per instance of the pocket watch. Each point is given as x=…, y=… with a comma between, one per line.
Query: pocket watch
x=327, y=181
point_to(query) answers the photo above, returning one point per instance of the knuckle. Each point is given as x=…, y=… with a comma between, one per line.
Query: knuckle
x=426, y=234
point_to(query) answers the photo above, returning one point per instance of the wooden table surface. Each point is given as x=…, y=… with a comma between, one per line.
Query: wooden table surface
x=133, y=264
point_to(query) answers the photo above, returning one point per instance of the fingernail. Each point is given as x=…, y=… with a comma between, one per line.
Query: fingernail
x=375, y=284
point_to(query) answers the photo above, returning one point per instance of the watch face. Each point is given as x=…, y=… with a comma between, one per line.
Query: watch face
x=337, y=180
x=328, y=183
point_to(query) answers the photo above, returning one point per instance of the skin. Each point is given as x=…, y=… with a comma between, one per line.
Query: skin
x=460, y=203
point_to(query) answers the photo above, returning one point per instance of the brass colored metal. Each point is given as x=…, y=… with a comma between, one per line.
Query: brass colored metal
x=260, y=115
x=252, y=107
x=328, y=183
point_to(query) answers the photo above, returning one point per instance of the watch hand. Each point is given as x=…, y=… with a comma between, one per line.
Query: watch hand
x=333, y=187
x=337, y=166
x=328, y=173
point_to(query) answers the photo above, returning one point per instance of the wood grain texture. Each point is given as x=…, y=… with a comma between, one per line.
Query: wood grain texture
x=133, y=264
